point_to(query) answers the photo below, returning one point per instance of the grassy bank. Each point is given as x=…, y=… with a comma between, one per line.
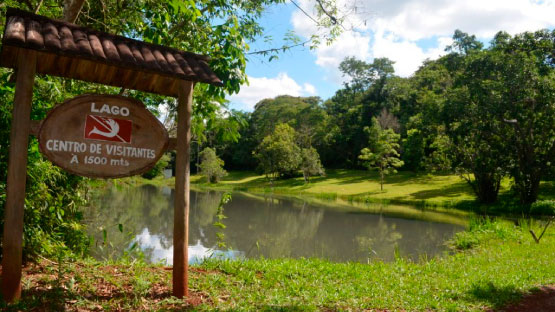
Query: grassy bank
x=364, y=186
x=500, y=264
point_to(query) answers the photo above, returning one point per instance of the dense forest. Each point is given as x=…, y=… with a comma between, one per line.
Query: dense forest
x=484, y=113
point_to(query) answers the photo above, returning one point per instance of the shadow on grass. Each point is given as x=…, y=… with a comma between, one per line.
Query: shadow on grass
x=400, y=179
x=284, y=308
x=52, y=299
x=496, y=296
x=60, y=299
x=547, y=190
x=359, y=178
x=453, y=190
x=507, y=205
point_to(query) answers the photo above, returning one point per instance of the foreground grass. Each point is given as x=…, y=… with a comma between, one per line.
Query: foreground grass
x=499, y=264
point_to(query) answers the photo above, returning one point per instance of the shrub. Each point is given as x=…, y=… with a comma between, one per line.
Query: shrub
x=211, y=166
x=543, y=208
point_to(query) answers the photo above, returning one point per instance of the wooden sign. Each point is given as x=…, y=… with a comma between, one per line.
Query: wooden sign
x=103, y=136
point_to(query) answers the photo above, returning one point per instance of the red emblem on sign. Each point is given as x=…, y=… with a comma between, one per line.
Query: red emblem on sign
x=108, y=129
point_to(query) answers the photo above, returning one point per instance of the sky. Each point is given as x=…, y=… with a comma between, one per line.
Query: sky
x=405, y=31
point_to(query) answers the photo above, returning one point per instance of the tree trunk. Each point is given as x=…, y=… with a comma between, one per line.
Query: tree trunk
x=72, y=8
x=528, y=186
x=486, y=187
x=381, y=180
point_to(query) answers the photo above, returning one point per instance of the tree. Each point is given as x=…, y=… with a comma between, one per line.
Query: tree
x=464, y=43
x=211, y=166
x=278, y=154
x=383, y=152
x=310, y=164
x=297, y=112
x=478, y=146
x=525, y=105
x=351, y=108
x=506, y=118
x=422, y=116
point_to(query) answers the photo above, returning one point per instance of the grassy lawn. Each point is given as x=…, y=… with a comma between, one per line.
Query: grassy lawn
x=498, y=265
x=356, y=185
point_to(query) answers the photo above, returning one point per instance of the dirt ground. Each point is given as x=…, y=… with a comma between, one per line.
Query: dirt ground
x=541, y=301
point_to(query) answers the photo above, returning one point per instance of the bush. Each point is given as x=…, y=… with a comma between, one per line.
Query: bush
x=481, y=230
x=211, y=166
x=543, y=208
x=310, y=164
x=278, y=154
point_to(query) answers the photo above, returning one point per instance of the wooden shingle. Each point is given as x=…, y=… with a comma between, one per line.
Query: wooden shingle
x=71, y=51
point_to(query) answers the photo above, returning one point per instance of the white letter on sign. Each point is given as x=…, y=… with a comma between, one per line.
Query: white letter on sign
x=74, y=159
x=93, y=108
x=105, y=109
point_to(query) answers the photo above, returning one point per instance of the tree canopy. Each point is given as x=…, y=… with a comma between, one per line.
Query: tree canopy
x=483, y=112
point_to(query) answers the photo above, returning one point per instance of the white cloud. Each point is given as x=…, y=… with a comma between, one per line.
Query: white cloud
x=309, y=89
x=264, y=87
x=417, y=19
x=393, y=29
x=408, y=56
x=348, y=44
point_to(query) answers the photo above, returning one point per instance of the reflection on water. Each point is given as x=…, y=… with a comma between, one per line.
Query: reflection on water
x=264, y=226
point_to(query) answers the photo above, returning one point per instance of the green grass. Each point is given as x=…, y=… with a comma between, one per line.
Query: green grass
x=494, y=263
x=420, y=189
x=364, y=186
x=357, y=185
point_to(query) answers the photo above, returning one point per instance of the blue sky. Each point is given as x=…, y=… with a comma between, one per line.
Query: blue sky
x=406, y=31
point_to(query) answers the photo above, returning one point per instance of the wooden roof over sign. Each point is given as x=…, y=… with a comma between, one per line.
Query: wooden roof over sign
x=71, y=51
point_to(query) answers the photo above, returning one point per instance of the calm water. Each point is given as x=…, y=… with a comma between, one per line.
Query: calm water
x=264, y=226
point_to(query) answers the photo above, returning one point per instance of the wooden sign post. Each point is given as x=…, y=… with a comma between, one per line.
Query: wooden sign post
x=34, y=44
x=181, y=200
x=17, y=173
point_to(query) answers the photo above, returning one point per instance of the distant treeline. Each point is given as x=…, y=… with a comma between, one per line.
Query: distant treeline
x=484, y=113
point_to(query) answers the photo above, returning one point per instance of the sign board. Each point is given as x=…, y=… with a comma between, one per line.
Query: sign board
x=103, y=136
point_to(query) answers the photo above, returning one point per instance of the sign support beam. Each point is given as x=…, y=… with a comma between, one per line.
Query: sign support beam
x=181, y=200
x=17, y=173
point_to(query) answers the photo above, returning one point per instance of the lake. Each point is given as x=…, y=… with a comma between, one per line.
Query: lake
x=124, y=219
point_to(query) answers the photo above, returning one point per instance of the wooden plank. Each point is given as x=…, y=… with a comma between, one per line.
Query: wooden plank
x=163, y=84
x=154, y=82
x=85, y=69
x=47, y=62
x=181, y=201
x=9, y=56
x=17, y=172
